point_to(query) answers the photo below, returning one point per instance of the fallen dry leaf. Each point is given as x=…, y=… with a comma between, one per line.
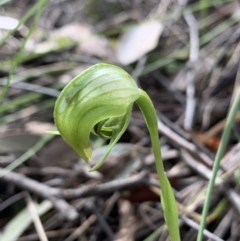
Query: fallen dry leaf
x=139, y=40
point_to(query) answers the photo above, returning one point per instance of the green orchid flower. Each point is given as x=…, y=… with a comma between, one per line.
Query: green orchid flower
x=100, y=101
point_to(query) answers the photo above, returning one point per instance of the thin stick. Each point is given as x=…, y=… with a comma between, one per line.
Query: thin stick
x=194, y=50
x=82, y=228
x=195, y=226
x=36, y=220
x=57, y=195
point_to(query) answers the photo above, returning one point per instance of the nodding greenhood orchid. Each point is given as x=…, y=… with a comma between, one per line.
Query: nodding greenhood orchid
x=99, y=101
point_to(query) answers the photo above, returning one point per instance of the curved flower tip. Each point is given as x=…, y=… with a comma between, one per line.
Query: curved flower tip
x=99, y=100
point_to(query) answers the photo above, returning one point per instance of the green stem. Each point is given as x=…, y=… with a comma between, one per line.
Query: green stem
x=219, y=155
x=147, y=108
x=167, y=196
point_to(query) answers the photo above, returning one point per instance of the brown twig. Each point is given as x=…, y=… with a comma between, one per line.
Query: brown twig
x=105, y=188
x=180, y=141
x=57, y=195
x=42, y=190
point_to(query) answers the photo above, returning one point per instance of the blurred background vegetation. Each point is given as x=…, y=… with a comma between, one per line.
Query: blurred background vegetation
x=185, y=54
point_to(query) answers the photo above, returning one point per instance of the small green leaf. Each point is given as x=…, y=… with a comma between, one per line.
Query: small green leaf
x=53, y=132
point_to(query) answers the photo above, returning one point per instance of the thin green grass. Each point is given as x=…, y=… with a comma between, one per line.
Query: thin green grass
x=37, y=10
x=41, y=143
x=203, y=40
x=23, y=113
x=193, y=8
x=153, y=236
x=17, y=102
x=220, y=152
x=204, y=11
x=29, y=14
x=18, y=57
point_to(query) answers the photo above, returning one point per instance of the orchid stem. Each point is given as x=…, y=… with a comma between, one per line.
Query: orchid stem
x=167, y=196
